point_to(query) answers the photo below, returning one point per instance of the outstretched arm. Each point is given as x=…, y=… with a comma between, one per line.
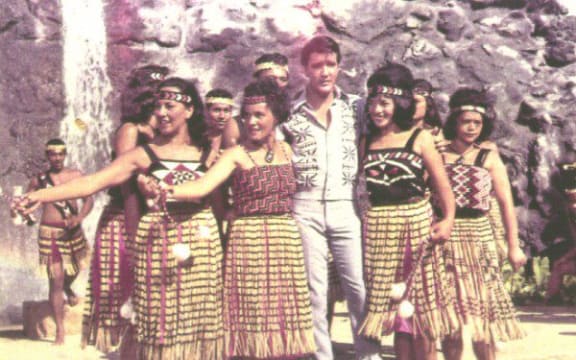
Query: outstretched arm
x=116, y=173
x=504, y=196
x=214, y=177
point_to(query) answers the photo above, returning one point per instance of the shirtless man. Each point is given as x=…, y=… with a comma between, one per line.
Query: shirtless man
x=61, y=241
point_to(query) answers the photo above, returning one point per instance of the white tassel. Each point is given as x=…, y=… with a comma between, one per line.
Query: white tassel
x=150, y=203
x=397, y=291
x=181, y=252
x=405, y=309
x=127, y=310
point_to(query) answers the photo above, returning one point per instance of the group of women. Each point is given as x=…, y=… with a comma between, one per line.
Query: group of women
x=191, y=302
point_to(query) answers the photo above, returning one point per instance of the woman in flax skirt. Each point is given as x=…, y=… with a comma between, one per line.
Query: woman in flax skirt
x=398, y=224
x=110, y=281
x=177, y=299
x=471, y=255
x=266, y=299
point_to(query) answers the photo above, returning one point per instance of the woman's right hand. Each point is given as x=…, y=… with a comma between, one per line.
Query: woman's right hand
x=516, y=257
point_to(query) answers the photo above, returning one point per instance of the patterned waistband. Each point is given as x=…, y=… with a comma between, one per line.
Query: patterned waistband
x=181, y=207
x=384, y=202
x=57, y=224
x=467, y=213
x=261, y=213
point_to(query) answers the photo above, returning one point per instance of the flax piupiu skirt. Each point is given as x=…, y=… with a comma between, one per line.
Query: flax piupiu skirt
x=393, y=234
x=266, y=298
x=60, y=246
x=474, y=271
x=178, y=306
x=109, y=283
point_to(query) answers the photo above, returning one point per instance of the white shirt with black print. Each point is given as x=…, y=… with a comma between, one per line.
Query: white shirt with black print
x=325, y=160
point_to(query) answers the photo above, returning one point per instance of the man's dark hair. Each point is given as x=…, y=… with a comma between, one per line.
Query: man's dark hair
x=322, y=45
x=55, y=141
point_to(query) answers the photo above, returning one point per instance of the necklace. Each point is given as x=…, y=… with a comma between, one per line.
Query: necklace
x=269, y=157
x=461, y=154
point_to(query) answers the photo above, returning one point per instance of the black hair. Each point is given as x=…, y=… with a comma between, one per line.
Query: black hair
x=319, y=44
x=432, y=116
x=275, y=58
x=396, y=76
x=55, y=141
x=143, y=75
x=277, y=99
x=137, y=100
x=221, y=93
x=468, y=96
x=196, y=126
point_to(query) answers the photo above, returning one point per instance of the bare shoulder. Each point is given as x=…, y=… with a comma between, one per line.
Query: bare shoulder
x=493, y=160
x=128, y=129
x=424, y=143
x=235, y=152
x=490, y=145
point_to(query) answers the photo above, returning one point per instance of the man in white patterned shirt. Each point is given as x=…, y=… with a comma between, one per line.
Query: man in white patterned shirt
x=324, y=132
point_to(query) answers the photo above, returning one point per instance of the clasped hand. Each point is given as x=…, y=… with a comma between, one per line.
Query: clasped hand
x=23, y=205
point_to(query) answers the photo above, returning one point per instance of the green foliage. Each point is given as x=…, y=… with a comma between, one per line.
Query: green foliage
x=526, y=290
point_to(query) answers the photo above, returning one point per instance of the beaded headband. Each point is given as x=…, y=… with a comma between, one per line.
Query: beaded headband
x=56, y=147
x=270, y=65
x=157, y=76
x=386, y=90
x=478, y=109
x=172, y=95
x=220, y=100
x=251, y=100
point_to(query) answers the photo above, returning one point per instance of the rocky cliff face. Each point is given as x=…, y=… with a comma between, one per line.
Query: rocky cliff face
x=521, y=51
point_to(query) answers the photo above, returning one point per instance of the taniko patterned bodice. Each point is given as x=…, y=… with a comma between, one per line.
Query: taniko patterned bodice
x=471, y=184
x=394, y=175
x=263, y=190
x=174, y=172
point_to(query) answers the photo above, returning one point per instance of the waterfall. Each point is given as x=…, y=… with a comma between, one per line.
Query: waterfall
x=87, y=125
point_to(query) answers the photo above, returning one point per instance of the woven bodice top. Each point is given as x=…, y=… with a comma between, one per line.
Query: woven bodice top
x=264, y=189
x=174, y=172
x=471, y=183
x=394, y=175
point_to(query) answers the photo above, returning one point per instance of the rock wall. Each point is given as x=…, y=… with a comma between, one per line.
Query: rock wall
x=521, y=51
x=31, y=106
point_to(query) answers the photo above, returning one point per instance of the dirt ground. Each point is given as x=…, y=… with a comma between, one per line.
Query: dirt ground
x=551, y=335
